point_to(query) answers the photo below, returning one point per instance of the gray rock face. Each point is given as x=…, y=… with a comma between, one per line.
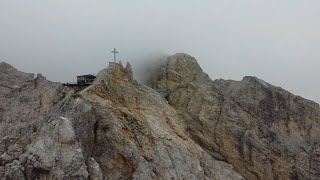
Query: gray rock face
x=114, y=129
x=42, y=128
x=94, y=169
x=186, y=127
x=264, y=131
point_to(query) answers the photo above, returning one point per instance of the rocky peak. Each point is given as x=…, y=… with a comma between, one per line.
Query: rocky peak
x=185, y=65
x=4, y=65
x=11, y=77
x=115, y=72
x=8, y=70
x=179, y=70
x=129, y=71
x=120, y=129
x=183, y=62
x=252, y=79
x=264, y=131
x=114, y=129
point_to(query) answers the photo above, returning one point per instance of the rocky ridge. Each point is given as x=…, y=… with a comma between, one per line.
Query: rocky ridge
x=186, y=127
x=114, y=129
x=264, y=131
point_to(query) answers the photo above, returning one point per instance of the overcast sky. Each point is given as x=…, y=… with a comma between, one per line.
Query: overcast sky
x=275, y=40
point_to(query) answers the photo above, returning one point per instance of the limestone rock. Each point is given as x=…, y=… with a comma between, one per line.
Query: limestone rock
x=187, y=127
x=114, y=129
x=94, y=170
x=264, y=131
x=14, y=170
x=144, y=134
x=129, y=71
x=55, y=153
x=5, y=159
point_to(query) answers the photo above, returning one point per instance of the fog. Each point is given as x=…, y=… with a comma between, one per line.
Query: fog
x=277, y=41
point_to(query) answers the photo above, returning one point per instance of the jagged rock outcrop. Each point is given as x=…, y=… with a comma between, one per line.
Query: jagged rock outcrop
x=140, y=136
x=35, y=132
x=264, y=131
x=114, y=129
x=186, y=127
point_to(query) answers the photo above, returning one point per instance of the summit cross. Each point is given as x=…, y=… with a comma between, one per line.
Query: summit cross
x=114, y=54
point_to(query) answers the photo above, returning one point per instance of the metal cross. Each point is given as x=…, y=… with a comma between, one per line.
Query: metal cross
x=115, y=54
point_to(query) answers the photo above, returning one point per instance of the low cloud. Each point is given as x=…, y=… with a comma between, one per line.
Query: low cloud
x=145, y=67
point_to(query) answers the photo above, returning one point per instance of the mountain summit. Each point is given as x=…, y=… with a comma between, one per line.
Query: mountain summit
x=185, y=127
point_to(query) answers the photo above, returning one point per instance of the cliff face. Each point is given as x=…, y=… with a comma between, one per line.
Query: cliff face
x=44, y=130
x=114, y=129
x=186, y=127
x=262, y=130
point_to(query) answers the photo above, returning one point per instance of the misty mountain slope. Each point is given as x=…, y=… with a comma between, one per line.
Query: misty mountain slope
x=42, y=128
x=186, y=127
x=264, y=131
x=114, y=129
